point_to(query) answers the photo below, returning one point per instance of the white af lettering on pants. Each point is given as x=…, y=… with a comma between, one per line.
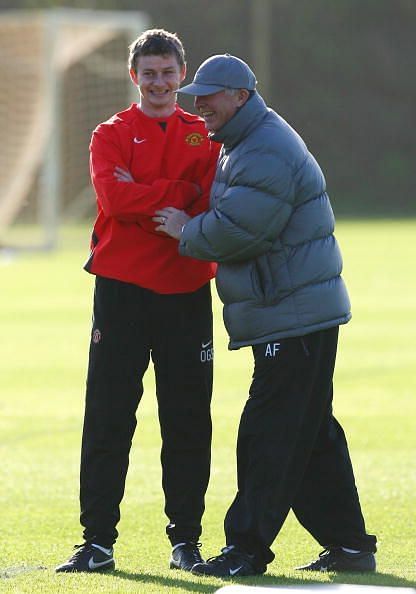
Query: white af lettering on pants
x=272, y=348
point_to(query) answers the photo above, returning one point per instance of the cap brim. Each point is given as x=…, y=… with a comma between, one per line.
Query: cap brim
x=200, y=90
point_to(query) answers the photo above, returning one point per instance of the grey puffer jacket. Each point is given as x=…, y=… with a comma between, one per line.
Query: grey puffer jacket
x=270, y=228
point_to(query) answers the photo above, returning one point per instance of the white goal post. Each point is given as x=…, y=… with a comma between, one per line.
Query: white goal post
x=62, y=71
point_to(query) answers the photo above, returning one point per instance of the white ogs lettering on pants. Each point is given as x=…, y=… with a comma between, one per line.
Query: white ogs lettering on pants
x=207, y=351
x=272, y=348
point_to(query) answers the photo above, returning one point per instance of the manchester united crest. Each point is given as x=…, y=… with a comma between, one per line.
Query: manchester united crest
x=195, y=139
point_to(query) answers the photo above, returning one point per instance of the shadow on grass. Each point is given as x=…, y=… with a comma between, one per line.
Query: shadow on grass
x=374, y=579
x=191, y=585
x=174, y=582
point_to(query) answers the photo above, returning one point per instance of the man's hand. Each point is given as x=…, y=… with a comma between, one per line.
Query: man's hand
x=171, y=221
x=122, y=175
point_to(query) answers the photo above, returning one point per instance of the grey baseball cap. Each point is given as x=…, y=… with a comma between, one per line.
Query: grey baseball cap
x=218, y=73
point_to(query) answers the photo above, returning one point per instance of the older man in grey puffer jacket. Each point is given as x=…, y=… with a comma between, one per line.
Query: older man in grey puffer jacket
x=270, y=228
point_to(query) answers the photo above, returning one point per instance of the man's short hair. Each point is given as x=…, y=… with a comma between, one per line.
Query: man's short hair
x=156, y=42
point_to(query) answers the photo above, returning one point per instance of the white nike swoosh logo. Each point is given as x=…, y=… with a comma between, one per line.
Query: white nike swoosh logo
x=234, y=571
x=205, y=344
x=139, y=140
x=92, y=565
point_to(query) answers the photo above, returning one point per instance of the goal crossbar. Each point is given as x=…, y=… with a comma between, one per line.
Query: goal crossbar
x=66, y=36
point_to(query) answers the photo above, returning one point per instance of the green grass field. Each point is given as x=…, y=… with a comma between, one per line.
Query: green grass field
x=45, y=324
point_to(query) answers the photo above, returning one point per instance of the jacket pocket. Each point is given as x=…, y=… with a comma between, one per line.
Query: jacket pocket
x=238, y=282
x=273, y=276
x=262, y=278
x=257, y=280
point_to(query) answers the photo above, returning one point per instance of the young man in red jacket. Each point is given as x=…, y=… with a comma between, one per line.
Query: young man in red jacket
x=149, y=302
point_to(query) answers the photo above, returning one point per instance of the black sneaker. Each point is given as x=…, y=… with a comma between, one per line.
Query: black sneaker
x=339, y=560
x=231, y=563
x=88, y=557
x=185, y=555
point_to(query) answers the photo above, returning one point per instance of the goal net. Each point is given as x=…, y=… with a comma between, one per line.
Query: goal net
x=62, y=71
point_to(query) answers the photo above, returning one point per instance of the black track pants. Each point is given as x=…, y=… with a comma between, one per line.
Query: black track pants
x=131, y=325
x=292, y=453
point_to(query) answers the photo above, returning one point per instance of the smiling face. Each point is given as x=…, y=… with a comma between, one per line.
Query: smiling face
x=158, y=77
x=218, y=108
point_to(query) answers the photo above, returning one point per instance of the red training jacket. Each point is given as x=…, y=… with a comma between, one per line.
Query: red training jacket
x=166, y=157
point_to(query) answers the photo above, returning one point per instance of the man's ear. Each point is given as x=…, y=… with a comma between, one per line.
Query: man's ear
x=242, y=96
x=183, y=72
x=133, y=76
